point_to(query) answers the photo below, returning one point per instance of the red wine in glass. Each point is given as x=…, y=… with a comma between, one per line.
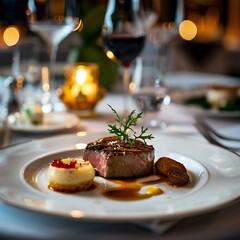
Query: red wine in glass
x=125, y=48
x=123, y=34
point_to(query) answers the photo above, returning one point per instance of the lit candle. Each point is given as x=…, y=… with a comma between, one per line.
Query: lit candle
x=81, y=90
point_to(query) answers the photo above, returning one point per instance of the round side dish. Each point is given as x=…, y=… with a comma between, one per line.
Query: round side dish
x=70, y=175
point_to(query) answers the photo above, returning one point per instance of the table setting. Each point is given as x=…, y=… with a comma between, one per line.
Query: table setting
x=191, y=119
x=215, y=163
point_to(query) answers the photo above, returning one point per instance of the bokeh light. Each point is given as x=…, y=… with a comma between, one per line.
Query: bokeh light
x=187, y=30
x=11, y=36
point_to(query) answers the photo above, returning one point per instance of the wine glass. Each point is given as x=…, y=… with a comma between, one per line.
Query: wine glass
x=13, y=28
x=170, y=16
x=53, y=21
x=123, y=35
x=150, y=89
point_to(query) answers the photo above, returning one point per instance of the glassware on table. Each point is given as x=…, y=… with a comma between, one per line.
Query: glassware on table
x=123, y=35
x=150, y=93
x=53, y=21
x=81, y=91
x=165, y=29
x=149, y=87
x=13, y=27
x=29, y=64
x=4, y=100
x=29, y=70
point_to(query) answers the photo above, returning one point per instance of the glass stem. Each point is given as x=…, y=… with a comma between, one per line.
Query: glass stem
x=163, y=59
x=53, y=58
x=48, y=81
x=16, y=62
x=126, y=90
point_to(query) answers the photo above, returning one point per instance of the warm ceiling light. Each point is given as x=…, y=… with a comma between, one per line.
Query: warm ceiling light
x=110, y=55
x=11, y=35
x=187, y=30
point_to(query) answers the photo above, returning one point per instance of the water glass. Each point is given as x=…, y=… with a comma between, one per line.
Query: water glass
x=149, y=87
x=28, y=69
x=4, y=100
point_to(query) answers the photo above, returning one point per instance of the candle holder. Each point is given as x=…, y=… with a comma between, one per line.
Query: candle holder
x=81, y=90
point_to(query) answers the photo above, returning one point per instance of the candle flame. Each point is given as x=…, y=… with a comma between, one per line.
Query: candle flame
x=81, y=76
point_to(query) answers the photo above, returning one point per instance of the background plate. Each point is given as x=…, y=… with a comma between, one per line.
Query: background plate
x=53, y=122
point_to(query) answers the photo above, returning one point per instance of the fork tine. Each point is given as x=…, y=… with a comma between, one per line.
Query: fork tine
x=208, y=136
x=201, y=122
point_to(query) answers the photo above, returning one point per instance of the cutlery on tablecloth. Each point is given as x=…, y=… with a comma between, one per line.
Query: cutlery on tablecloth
x=201, y=121
x=225, y=141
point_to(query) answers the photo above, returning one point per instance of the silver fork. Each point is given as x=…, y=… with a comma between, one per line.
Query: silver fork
x=204, y=131
x=201, y=122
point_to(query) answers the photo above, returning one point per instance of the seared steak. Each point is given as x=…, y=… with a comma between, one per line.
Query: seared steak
x=115, y=159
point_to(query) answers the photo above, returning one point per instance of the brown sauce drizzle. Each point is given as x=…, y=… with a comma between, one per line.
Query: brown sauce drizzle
x=129, y=189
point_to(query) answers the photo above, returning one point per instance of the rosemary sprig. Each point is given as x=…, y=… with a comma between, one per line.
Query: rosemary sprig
x=125, y=126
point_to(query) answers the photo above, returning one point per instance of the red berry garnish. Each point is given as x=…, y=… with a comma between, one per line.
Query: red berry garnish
x=58, y=163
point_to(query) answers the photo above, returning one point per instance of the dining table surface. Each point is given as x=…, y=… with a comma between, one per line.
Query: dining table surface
x=218, y=222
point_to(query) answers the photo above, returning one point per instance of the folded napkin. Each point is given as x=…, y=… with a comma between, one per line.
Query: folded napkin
x=157, y=227
x=40, y=226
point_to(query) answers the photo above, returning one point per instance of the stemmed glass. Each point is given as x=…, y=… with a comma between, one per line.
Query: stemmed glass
x=123, y=36
x=150, y=90
x=165, y=29
x=53, y=21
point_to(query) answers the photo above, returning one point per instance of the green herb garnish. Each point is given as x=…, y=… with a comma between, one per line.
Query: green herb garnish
x=125, y=131
x=202, y=102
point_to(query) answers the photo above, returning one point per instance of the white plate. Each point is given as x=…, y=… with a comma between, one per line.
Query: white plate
x=180, y=96
x=53, y=122
x=215, y=176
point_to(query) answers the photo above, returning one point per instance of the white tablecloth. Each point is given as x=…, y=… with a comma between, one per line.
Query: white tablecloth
x=218, y=224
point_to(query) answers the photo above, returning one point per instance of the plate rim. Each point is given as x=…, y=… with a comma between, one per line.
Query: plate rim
x=197, y=109
x=36, y=129
x=121, y=218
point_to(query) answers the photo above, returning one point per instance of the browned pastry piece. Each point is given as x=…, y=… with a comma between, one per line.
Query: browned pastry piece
x=175, y=172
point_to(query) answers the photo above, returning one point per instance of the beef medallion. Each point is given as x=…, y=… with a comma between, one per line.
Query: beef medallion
x=113, y=158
